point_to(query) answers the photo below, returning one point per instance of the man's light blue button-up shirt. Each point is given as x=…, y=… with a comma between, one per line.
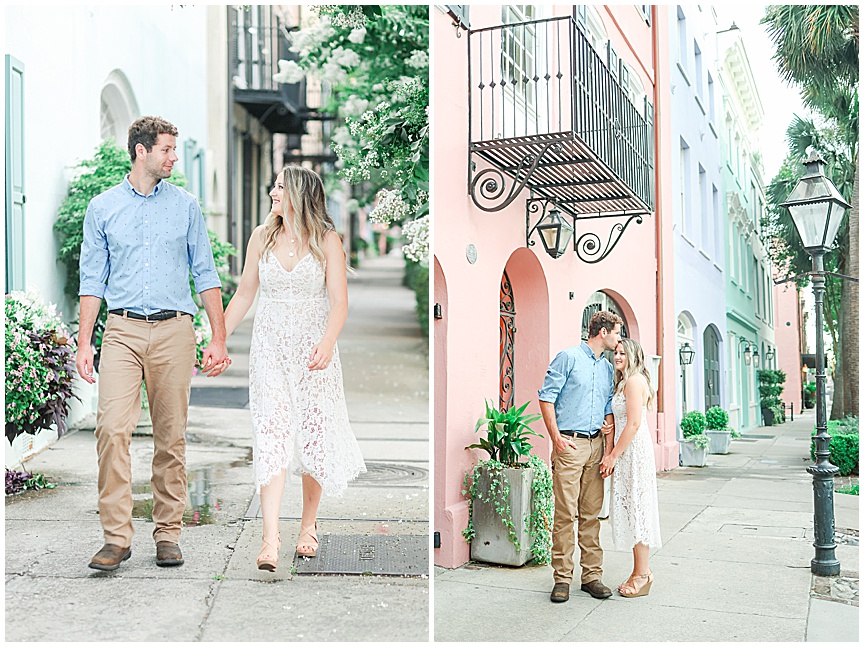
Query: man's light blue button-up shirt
x=138, y=250
x=580, y=386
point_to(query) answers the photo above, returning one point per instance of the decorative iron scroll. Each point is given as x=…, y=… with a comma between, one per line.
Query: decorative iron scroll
x=507, y=344
x=492, y=188
x=588, y=246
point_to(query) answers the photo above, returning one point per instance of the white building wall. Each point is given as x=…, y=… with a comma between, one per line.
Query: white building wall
x=68, y=54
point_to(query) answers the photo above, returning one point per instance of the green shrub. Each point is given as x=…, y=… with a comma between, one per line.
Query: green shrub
x=417, y=278
x=716, y=419
x=843, y=446
x=693, y=424
x=770, y=387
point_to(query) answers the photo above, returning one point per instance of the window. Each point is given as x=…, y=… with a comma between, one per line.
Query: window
x=682, y=39
x=14, y=174
x=193, y=168
x=697, y=65
x=117, y=109
x=718, y=229
x=592, y=26
x=632, y=85
x=704, y=215
x=686, y=191
x=518, y=60
x=711, y=110
x=645, y=12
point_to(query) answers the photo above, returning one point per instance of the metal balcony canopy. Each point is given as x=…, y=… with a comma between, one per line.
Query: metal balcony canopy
x=548, y=114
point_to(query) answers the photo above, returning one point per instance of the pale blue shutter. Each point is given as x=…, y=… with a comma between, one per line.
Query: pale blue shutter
x=15, y=197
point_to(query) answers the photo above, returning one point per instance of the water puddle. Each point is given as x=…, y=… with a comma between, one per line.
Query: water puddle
x=202, y=507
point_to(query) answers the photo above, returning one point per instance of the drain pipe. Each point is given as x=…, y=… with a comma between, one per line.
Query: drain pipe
x=658, y=218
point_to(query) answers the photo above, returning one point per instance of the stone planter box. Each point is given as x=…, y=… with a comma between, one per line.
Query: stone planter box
x=721, y=441
x=491, y=542
x=692, y=456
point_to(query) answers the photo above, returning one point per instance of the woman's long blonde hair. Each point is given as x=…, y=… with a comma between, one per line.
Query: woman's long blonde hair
x=304, y=191
x=635, y=366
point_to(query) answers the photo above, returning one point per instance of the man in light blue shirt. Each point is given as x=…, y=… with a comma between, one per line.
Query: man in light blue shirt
x=576, y=403
x=141, y=239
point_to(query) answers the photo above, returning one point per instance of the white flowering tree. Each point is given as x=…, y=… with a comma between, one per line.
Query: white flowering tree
x=375, y=61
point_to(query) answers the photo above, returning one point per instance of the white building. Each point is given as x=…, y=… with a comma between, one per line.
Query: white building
x=76, y=76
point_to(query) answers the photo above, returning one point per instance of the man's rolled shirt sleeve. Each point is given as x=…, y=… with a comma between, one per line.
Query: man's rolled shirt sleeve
x=201, y=262
x=556, y=376
x=93, y=262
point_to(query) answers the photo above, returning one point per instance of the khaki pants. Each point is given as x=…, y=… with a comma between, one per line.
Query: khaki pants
x=162, y=353
x=578, y=489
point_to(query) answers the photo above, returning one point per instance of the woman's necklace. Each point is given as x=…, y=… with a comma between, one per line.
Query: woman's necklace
x=293, y=248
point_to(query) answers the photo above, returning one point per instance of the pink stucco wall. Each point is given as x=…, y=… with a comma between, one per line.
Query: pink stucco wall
x=787, y=336
x=549, y=294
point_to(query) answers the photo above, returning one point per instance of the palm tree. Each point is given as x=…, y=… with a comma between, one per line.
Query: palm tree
x=817, y=49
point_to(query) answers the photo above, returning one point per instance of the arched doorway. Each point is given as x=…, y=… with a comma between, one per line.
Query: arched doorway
x=711, y=353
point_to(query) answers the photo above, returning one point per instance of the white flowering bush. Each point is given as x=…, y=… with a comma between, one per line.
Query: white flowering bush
x=375, y=60
x=39, y=365
x=416, y=233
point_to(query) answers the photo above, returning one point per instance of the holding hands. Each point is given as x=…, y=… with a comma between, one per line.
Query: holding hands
x=607, y=465
x=215, y=359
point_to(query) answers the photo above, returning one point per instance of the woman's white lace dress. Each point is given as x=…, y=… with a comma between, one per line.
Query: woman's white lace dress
x=635, y=513
x=299, y=415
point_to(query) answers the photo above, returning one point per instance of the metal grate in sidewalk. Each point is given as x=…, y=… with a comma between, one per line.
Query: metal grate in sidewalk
x=405, y=555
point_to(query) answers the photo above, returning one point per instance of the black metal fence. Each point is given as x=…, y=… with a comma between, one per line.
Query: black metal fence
x=259, y=40
x=542, y=77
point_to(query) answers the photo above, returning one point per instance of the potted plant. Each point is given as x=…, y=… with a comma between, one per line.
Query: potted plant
x=719, y=433
x=694, y=447
x=770, y=388
x=810, y=395
x=510, y=493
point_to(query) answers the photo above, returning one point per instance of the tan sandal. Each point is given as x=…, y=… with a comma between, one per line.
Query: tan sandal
x=269, y=563
x=308, y=539
x=630, y=585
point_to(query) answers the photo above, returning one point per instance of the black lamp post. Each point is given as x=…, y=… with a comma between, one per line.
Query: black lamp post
x=817, y=210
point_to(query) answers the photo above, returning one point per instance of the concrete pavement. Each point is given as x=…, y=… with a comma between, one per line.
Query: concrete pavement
x=734, y=565
x=219, y=594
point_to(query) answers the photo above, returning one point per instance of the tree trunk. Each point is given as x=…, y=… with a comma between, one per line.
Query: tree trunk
x=849, y=328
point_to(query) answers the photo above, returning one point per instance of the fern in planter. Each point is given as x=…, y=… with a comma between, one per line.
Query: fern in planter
x=717, y=419
x=770, y=387
x=507, y=443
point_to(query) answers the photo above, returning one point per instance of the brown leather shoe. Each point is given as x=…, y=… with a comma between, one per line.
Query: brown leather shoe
x=560, y=592
x=597, y=589
x=109, y=557
x=168, y=554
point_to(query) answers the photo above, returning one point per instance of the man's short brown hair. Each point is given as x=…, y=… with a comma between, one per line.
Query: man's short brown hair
x=603, y=319
x=146, y=131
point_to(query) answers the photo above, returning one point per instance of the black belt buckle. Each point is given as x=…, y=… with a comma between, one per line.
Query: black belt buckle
x=575, y=434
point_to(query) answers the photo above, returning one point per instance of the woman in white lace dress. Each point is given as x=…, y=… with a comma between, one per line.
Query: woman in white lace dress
x=635, y=516
x=295, y=377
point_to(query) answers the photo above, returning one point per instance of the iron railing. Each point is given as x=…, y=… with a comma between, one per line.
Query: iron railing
x=543, y=77
x=259, y=40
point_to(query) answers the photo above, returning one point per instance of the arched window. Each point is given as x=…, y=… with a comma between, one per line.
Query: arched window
x=118, y=108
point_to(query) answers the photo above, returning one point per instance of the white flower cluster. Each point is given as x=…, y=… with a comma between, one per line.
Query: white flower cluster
x=353, y=106
x=355, y=19
x=34, y=309
x=416, y=232
x=305, y=41
x=289, y=72
x=391, y=207
x=357, y=35
x=418, y=60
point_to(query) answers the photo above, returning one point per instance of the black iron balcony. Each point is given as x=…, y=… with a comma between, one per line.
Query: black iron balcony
x=545, y=110
x=259, y=39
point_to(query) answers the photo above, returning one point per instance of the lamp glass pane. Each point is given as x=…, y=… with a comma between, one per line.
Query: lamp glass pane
x=810, y=222
x=566, y=235
x=550, y=235
x=835, y=217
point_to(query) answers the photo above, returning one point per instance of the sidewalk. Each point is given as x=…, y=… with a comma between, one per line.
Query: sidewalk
x=734, y=565
x=219, y=594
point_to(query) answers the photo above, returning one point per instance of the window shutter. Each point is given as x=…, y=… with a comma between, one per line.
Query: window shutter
x=15, y=197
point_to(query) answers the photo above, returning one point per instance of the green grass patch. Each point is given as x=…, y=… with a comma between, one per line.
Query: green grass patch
x=853, y=489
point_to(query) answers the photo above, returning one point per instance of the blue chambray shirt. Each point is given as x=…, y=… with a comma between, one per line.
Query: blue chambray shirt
x=138, y=250
x=580, y=386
